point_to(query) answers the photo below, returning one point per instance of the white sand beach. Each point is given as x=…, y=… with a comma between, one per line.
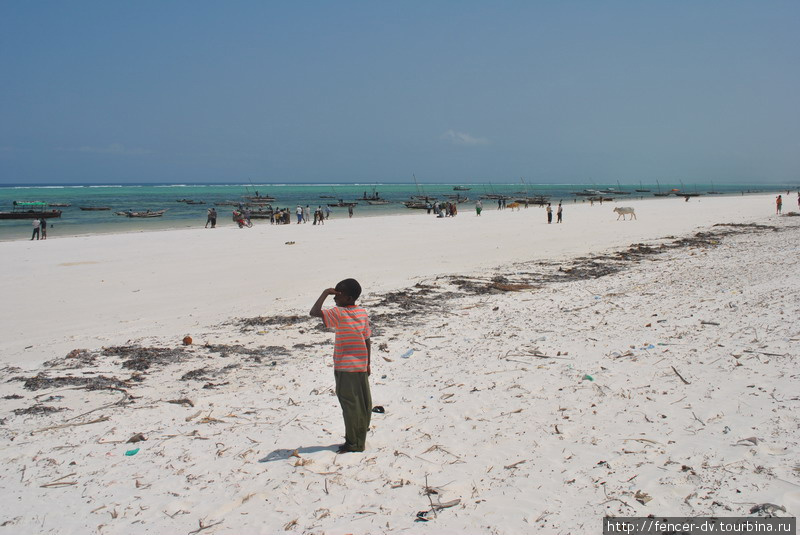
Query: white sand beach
x=558, y=374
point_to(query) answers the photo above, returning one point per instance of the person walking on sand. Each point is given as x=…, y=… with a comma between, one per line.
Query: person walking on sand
x=212, y=218
x=778, y=204
x=350, y=210
x=36, y=224
x=299, y=213
x=351, y=359
x=327, y=212
x=558, y=213
x=306, y=214
x=549, y=214
x=478, y=207
x=43, y=228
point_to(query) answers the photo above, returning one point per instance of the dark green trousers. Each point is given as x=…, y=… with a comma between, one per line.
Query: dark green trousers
x=352, y=389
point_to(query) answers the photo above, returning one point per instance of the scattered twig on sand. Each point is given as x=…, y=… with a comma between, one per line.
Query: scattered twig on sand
x=615, y=500
x=62, y=426
x=514, y=465
x=764, y=353
x=59, y=483
x=680, y=376
x=507, y=413
x=644, y=440
x=206, y=526
x=183, y=401
x=118, y=403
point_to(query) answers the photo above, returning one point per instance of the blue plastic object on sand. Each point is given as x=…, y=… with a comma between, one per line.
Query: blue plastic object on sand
x=407, y=354
x=130, y=453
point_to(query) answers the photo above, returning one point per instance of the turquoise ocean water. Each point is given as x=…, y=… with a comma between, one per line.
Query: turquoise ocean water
x=141, y=197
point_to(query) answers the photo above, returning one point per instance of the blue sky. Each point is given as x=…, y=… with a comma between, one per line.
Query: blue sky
x=461, y=91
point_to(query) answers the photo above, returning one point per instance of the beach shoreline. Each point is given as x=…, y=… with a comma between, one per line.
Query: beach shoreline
x=183, y=279
x=613, y=368
x=74, y=222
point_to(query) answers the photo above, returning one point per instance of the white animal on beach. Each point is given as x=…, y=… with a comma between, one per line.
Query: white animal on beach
x=625, y=210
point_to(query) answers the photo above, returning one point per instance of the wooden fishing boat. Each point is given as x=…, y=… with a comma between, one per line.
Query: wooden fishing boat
x=378, y=201
x=95, y=208
x=60, y=204
x=461, y=188
x=660, y=193
x=258, y=198
x=261, y=214
x=539, y=200
x=147, y=213
x=343, y=204
x=417, y=205
x=586, y=193
x=30, y=210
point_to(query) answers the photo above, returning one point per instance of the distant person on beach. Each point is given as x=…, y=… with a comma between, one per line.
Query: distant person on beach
x=36, y=224
x=351, y=359
x=558, y=213
x=299, y=213
x=327, y=212
x=778, y=204
x=350, y=210
x=549, y=214
x=478, y=207
x=43, y=228
x=212, y=218
x=306, y=214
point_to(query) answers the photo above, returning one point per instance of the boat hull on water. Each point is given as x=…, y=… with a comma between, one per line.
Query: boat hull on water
x=31, y=214
x=30, y=210
x=95, y=208
x=148, y=213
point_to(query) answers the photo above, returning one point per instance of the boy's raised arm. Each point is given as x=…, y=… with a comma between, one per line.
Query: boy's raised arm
x=316, y=310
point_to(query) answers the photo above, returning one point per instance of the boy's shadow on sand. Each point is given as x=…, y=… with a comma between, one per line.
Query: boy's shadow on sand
x=283, y=454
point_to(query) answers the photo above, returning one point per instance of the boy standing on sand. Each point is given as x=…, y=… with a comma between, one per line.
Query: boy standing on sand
x=351, y=359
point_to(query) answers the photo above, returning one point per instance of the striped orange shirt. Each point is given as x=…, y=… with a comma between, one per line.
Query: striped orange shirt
x=352, y=329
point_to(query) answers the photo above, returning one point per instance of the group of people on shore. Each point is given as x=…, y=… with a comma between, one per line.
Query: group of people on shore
x=320, y=214
x=444, y=209
x=39, y=229
x=277, y=216
x=779, y=202
x=559, y=213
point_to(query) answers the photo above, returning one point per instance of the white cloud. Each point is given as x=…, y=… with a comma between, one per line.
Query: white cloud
x=462, y=138
x=8, y=152
x=115, y=149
